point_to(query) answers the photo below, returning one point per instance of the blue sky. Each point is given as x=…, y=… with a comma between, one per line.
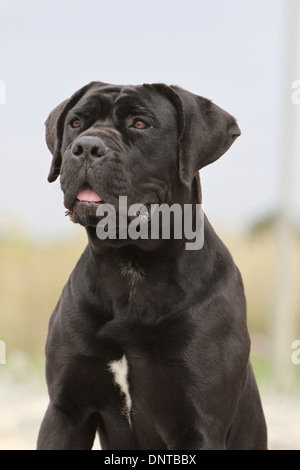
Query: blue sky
x=232, y=52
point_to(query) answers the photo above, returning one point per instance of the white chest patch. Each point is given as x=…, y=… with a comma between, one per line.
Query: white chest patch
x=119, y=369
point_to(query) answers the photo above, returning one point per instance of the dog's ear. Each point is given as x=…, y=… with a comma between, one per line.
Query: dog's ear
x=205, y=131
x=55, y=125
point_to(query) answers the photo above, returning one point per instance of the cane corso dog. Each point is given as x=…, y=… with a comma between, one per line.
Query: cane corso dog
x=148, y=344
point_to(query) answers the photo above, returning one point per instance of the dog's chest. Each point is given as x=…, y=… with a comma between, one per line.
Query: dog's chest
x=119, y=371
x=146, y=340
x=144, y=291
x=133, y=276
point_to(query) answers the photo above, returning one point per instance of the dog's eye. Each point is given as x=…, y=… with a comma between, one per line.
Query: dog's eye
x=139, y=124
x=75, y=123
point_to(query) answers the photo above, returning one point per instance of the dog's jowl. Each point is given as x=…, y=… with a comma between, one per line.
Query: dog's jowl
x=148, y=345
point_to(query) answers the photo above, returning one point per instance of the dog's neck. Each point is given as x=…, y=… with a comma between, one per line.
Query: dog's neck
x=133, y=275
x=133, y=270
x=133, y=263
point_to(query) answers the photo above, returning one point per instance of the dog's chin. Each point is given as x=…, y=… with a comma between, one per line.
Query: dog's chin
x=84, y=213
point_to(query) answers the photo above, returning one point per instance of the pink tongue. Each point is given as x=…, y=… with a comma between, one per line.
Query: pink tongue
x=87, y=194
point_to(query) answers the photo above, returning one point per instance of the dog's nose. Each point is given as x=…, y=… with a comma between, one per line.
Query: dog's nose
x=89, y=146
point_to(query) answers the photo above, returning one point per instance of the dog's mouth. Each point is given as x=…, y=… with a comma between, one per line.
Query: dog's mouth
x=84, y=210
x=87, y=194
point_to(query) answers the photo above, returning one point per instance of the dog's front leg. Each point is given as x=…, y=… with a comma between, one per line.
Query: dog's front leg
x=60, y=432
x=195, y=437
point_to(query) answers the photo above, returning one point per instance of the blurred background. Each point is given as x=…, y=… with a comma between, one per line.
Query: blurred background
x=244, y=55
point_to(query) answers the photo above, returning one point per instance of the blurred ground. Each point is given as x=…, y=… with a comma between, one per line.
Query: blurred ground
x=22, y=407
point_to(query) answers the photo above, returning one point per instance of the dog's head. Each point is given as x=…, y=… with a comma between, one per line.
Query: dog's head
x=146, y=142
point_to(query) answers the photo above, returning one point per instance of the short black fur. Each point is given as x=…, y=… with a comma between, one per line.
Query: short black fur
x=176, y=316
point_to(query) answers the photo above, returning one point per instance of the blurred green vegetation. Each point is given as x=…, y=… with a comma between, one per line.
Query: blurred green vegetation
x=32, y=276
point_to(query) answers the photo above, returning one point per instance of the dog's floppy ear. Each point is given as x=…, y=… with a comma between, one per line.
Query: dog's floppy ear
x=54, y=128
x=205, y=131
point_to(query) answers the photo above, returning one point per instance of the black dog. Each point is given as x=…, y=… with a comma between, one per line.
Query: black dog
x=148, y=344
